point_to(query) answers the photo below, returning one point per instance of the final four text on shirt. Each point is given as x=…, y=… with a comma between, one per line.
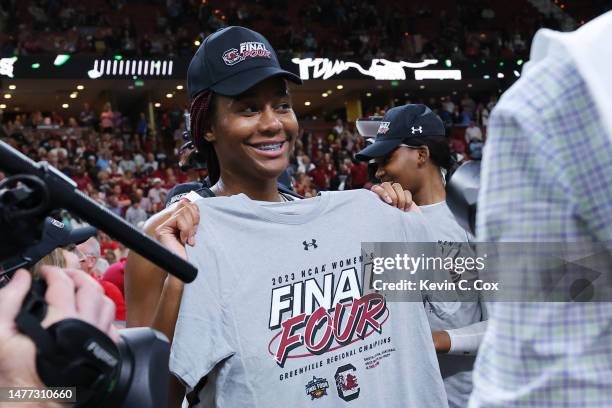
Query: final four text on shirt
x=317, y=319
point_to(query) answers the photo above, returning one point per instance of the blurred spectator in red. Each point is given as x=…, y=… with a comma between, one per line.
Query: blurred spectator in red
x=115, y=274
x=106, y=119
x=359, y=174
x=89, y=253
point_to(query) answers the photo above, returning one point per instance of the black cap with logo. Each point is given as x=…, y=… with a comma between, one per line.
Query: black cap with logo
x=398, y=126
x=56, y=234
x=232, y=60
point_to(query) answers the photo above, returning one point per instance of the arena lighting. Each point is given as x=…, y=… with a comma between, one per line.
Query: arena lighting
x=61, y=59
x=324, y=94
x=517, y=74
x=2, y=106
x=12, y=87
x=329, y=91
x=157, y=104
x=118, y=57
x=501, y=63
x=486, y=76
x=169, y=95
x=307, y=103
x=131, y=67
x=469, y=85
x=6, y=66
x=380, y=69
x=197, y=43
x=420, y=74
x=139, y=82
x=519, y=62
x=35, y=65
x=74, y=95
x=448, y=63
x=500, y=75
x=8, y=96
x=422, y=86
x=179, y=87
x=394, y=83
x=339, y=86
x=65, y=106
x=80, y=87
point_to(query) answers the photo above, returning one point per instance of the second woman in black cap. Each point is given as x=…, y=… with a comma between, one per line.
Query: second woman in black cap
x=412, y=153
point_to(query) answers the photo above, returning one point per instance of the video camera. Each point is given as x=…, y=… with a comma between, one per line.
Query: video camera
x=72, y=353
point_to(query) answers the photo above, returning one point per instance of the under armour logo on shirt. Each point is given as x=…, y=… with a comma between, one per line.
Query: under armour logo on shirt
x=311, y=244
x=419, y=129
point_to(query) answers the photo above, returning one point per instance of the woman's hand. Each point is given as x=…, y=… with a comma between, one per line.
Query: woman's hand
x=396, y=196
x=180, y=228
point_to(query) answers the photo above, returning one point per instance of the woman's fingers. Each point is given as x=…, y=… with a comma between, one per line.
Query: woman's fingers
x=401, y=198
x=386, y=192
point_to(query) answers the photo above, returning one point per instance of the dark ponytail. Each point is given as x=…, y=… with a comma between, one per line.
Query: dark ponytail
x=202, y=112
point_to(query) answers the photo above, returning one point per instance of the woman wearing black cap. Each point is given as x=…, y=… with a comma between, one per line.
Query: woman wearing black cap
x=412, y=152
x=244, y=128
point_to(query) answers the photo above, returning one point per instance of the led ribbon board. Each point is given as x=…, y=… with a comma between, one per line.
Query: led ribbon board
x=6, y=66
x=380, y=69
x=130, y=67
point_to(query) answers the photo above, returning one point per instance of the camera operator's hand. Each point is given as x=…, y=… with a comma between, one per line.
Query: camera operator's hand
x=70, y=294
x=180, y=228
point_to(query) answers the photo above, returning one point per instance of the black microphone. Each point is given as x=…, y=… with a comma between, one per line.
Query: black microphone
x=64, y=194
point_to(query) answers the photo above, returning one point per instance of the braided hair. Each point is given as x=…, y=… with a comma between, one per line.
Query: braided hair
x=202, y=112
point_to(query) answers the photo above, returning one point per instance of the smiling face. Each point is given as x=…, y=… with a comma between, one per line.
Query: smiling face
x=253, y=134
x=403, y=165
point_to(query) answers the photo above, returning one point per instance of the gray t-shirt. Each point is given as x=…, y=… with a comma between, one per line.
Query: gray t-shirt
x=278, y=317
x=456, y=369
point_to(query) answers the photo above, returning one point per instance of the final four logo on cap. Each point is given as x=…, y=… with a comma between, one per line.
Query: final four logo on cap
x=383, y=127
x=250, y=49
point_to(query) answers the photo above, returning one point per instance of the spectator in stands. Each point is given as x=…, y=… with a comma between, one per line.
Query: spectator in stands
x=135, y=214
x=150, y=165
x=142, y=127
x=144, y=202
x=359, y=174
x=473, y=133
x=110, y=257
x=304, y=165
x=156, y=191
x=87, y=117
x=107, y=119
x=468, y=105
x=339, y=127
x=88, y=254
x=115, y=274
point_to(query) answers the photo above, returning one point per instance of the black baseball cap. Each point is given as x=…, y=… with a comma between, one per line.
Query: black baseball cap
x=232, y=60
x=398, y=126
x=55, y=235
